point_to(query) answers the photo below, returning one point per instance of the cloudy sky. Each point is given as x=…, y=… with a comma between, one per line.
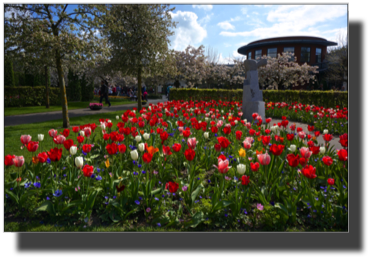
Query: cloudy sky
x=225, y=28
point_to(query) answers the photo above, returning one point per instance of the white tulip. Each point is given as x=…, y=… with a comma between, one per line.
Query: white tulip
x=245, y=120
x=103, y=126
x=82, y=133
x=241, y=169
x=322, y=150
x=138, y=138
x=117, y=117
x=141, y=147
x=73, y=150
x=79, y=162
x=223, y=117
x=40, y=137
x=146, y=136
x=134, y=155
x=206, y=119
x=109, y=121
x=293, y=148
x=325, y=131
x=222, y=111
x=206, y=135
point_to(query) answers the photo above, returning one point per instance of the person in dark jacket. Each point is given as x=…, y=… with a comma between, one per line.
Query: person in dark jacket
x=104, y=93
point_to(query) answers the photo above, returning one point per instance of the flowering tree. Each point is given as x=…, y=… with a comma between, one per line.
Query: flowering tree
x=281, y=71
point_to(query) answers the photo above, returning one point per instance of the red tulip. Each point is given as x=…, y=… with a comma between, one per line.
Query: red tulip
x=252, y=132
x=330, y=181
x=303, y=161
x=176, y=147
x=214, y=129
x=238, y=134
x=293, y=160
x=8, y=161
x=301, y=134
x=316, y=133
x=80, y=139
x=88, y=170
x=68, y=144
x=55, y=154
x=223, y=141
x=122, y=148
x=173, y=186
x=305, y=152
x=164, y=136
x=106, y=136
x=264, y=159
x=42, y=157
x=66, y=132
x=327, y=160
x=290, y=137
x=227, y=130
x=309, y=172
x=299, y=129
x=342, y=153
x=53, y=133
x=186, y=133
x=310, y=144
x=221, y=156
x=111, y=148
x=255, y=166
x=189, y=154
x=245, y=180
x=32, y=146
x=343, y=140
x=310, y=128
x=75, y=129
x=87, y=148
x=217, y=147
x=327, y=137
x=147, y=157
x=314, y=150
x=265, y=140
x=166, y=150
x=276, y=149
x=293, y=127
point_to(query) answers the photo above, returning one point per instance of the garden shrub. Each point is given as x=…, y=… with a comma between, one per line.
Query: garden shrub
x=315, y=97
x=87, y=90
x=73, y=89
x=9, y=79
x=30, y=96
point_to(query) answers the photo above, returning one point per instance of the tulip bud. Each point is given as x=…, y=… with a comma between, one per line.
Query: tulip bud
x=79, y=162
x=117, y=117
x=322, y=150
x=134, y=155
x=82, y=133
x=146, y=136
x=241, y=169
x=141, y=147
x=325, y=131
x=138, y=138
x=103, y=126
x=293, y=148
x=206, y=135
x=73, y=150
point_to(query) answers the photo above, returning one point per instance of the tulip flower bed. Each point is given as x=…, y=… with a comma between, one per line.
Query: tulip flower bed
x=185, y=165
x=334, y=120
x=95, y=106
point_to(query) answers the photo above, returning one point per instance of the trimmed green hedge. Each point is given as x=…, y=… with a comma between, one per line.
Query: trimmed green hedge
x=30, y=96
x=315, y=97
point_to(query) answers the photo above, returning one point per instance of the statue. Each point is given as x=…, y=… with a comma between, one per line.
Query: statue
x=252, y=95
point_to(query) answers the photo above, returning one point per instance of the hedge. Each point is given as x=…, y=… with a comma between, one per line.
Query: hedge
x=9, y=78
x=30, y=96
x=315, y=97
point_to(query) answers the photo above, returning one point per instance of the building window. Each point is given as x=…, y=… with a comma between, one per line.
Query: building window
x=305, y=55
x=290, y=50
x=272, y=52
x=318, y=55
x=258, y=54
x=249, y=55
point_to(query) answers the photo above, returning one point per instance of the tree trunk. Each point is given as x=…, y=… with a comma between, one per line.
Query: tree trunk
x=62, y=88
x=139, y=104
x=47, y=87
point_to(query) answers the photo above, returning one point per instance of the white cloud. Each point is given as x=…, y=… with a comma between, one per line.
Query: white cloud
x=205, y=7
x=205, y=19
x=188, y=30
x=291, y=20
x=244, y=10
x=226, y=25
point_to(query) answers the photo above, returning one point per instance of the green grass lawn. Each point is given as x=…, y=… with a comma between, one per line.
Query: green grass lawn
x=72, y=105
x=12, y=134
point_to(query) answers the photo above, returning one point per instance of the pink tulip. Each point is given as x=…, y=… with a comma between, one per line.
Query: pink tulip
x=25, y=139
x=301, y=134
x=212, y=116
x=59, y=139
x=305, y=152
x=180, y=129
x=223, y=166
x=247, y=144
x=249, y=139
x=219, y=124
x=87, y=131
x=52, y=133
x=264, y=159
x=18, y=161
x=248, y=125
x=192, y=142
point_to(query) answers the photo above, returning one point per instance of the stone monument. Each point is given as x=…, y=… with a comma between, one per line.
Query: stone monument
x=252, y=95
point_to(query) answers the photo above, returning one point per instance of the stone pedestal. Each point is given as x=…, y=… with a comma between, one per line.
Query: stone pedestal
x=252, y=96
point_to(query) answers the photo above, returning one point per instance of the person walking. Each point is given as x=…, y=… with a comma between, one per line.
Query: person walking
x=104, y=93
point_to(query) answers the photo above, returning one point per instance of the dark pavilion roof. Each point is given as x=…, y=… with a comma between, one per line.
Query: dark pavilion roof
x=285, y=40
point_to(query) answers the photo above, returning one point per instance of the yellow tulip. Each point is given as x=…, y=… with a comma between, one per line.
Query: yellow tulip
x=242, y=152
x=107, y=163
